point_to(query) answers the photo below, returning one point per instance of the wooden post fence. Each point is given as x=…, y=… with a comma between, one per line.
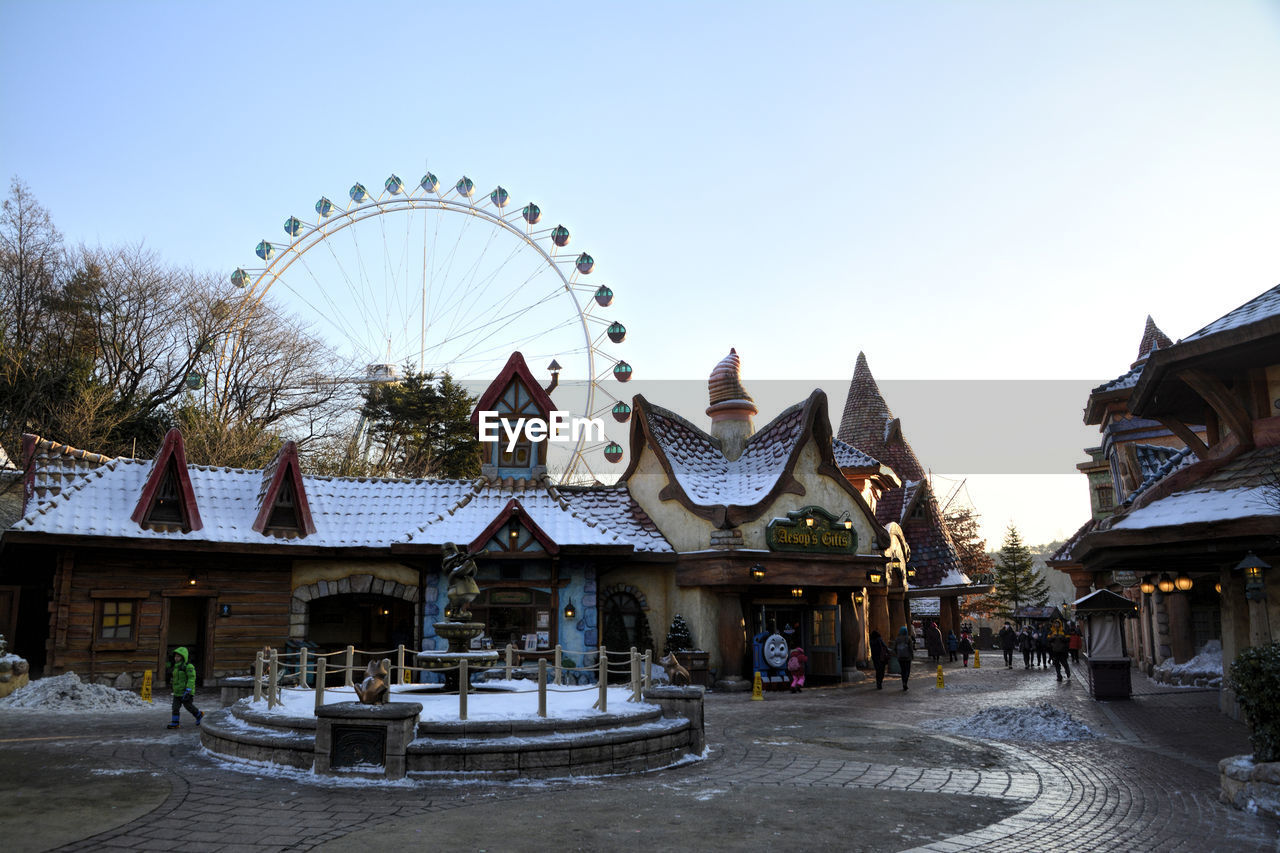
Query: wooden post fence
x=257, y=678
x=542, y=687
x=320, y=677
x=559, y=663
x=463, y=678
x=351, y=665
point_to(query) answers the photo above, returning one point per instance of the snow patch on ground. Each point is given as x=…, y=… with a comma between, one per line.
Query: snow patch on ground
x=1041, y=722
x=67, y=694
x=1203, y=670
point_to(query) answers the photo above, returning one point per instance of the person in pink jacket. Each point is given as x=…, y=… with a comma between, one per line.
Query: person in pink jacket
x=795, y=668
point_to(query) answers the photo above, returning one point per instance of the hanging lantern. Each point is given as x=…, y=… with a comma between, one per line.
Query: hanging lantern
x=531, y=213
x=465, y=186
x=604, y=296
x=757, y=573
x=499, y=197
x=874, y=576
x=585, y=263
x=1217, y=587
x=797, y=592
x=393, y=184
x=1147, y=586
x=1165, y=584
x=569, y=610
x=622, y=372
x=324, y=207
x=265, y=250
x=1182, y=582
x=240, y=278
x=358, y=193
x=617, y=332
x=560, y=236
x=613, y=451
x=293, y=226
x=429, y=182
x=621, y=412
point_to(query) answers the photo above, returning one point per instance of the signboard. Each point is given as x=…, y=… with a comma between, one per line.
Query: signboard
x=812, y=530
x=1126, y=579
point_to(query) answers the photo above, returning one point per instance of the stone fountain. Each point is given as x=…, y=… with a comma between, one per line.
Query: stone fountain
x=458, y=628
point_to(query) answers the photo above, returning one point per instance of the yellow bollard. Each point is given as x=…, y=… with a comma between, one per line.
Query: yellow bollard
x=977, y=662
x=146, y=685
x=940, y=684
x=757, y=689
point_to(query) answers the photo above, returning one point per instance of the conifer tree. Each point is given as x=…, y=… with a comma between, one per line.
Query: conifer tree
x=678, y=637
x=1016, y=582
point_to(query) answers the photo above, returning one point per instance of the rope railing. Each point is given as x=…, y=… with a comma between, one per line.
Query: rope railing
x=272, y=669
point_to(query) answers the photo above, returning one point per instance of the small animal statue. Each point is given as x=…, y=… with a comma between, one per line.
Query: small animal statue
x=373, y=690
x=675, y=672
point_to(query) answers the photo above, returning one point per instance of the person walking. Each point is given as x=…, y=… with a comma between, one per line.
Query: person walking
x=1074, y=641
x=1026, y=645
x=933, y=642
x=879, y=657
x=1058, y=645
x=966, y=647
x=904, y=647
x=952, y=645
x=795, y=668
x=1042, y=647
x=1008, y=639
x=182, y=678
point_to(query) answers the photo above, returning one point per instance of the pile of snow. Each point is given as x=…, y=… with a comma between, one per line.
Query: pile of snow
x=1041, y=722
x=67, y=693
x=1203, y=670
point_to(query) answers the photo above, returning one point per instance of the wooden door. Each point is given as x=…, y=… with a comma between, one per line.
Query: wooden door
x=824, y=642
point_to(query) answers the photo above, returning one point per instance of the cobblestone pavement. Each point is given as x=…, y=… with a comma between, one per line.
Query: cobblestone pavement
x=840, y=768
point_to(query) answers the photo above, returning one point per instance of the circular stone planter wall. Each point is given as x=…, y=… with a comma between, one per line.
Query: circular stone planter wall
x=591, y=746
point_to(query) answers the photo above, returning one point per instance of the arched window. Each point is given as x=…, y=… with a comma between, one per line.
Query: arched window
x=624, y=622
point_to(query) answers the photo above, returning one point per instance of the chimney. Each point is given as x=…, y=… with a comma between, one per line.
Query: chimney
x=731, y=408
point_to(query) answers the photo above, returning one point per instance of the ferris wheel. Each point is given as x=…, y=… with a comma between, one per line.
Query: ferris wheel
x=440, y=278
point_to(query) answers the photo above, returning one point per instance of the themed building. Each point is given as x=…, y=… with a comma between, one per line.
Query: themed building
x=115, y=561
x=935, y=581
x=1196, y=536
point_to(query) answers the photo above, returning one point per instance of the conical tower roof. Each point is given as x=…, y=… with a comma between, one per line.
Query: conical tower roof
x=1152, y=339
x=869, y=425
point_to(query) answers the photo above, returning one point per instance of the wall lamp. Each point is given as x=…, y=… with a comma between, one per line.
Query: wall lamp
x=1253, y=567
x=757, y=573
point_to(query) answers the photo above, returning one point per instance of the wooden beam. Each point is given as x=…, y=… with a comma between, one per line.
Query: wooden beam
x=1187, y=436
x=1229, y=409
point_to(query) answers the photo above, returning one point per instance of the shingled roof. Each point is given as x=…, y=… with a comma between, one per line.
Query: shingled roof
x=1264, y=306
x=869, y=425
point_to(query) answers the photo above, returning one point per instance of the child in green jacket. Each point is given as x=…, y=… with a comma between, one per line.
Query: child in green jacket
x=183, y=679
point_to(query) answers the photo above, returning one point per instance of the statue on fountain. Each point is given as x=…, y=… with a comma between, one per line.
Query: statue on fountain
x=462, y=583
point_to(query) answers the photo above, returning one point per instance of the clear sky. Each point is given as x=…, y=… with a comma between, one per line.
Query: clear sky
x=962, y=190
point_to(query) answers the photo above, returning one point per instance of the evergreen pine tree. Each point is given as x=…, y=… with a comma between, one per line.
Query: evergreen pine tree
x=678, y=637
x=1016, y=583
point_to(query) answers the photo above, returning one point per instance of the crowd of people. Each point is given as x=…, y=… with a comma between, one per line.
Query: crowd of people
x=1055, y=644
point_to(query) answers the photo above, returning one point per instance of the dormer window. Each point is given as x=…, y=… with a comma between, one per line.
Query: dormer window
x=167, y=507
x=284, y=512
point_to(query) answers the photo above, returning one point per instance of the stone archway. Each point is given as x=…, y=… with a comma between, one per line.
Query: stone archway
x=624, y=620
x=361, y=584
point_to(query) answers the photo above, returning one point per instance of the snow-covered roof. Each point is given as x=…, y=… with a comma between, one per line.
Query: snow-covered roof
x=1263, y=306
x=551, y=511
x=1198, y=506
x=347, y=512
x=702, y=470
x=1174, y=461
x=848, y=456
x=1065, y=550
x=1128, y=379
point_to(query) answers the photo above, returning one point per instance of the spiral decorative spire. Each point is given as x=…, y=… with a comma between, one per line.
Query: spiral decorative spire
x=724, y=384
x=731, y=408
